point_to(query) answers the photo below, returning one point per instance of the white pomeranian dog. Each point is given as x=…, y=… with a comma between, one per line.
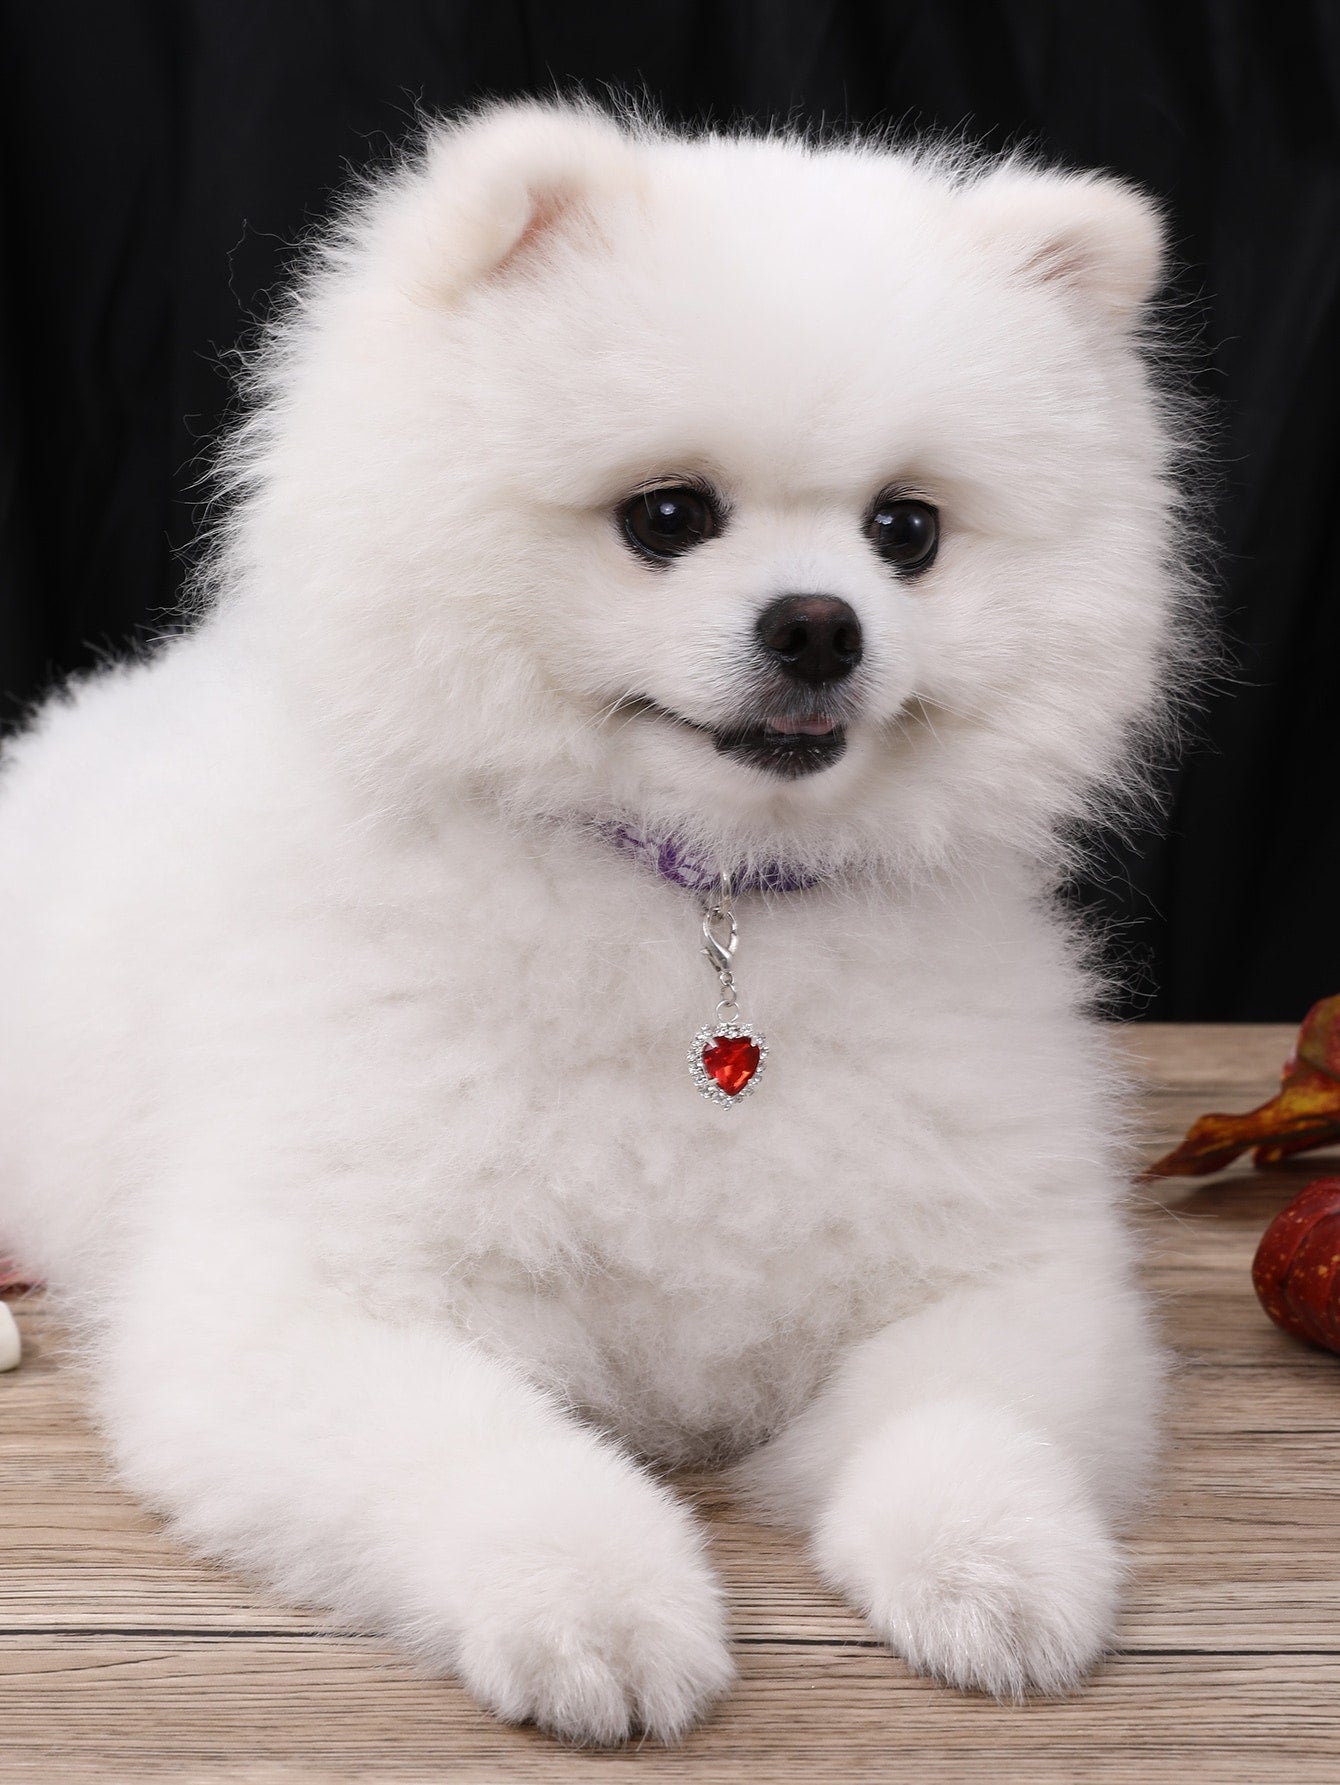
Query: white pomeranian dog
x=626, y=524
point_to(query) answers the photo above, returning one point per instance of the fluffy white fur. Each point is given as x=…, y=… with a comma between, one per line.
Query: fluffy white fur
x=342, y=1084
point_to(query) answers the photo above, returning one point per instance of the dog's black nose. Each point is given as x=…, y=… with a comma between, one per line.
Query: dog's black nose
x=813, y=638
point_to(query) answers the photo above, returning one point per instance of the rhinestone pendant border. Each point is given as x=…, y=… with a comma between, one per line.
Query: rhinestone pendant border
x=702, y=1077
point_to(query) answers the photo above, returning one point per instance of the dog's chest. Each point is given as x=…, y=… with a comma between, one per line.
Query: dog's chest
x=691, y=1336
x=686, y=1271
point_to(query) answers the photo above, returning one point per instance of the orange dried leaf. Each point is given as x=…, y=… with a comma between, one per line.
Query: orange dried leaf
x=14, y=1279
x=1305, y=1113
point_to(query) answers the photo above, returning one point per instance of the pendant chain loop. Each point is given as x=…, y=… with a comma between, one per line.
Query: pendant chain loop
x=720, y=915
x=727, y=1056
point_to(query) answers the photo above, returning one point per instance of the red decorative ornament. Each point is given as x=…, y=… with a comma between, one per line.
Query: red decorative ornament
x=732, y=1060
x=1296, y=1271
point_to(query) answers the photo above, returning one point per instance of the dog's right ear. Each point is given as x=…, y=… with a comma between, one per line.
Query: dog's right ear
x=499, y=189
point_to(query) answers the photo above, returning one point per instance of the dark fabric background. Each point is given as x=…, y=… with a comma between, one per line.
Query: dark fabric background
x=158, y=158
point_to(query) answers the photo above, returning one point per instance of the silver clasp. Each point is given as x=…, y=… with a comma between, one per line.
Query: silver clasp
x=719, y=950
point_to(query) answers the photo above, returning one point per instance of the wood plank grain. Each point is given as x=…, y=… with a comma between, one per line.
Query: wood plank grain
x=255, y=1707
x=123, y=1658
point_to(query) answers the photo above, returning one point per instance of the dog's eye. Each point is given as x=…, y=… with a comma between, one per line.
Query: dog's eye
x=661, y=524
x=904, y=532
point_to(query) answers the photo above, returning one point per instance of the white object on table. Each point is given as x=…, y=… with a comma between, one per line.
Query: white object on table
x=11, y=1346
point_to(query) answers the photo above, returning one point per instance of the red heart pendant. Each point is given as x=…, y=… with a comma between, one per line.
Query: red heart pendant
x=726, y=1062
x=732, y=1061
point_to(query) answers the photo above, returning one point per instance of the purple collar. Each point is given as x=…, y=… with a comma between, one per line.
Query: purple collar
x=699, y=873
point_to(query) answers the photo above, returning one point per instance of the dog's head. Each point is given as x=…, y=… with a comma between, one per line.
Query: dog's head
x=805, y=501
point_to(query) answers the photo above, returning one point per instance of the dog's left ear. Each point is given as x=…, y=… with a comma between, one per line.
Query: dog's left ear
x=1097, y=239
x=508, y=184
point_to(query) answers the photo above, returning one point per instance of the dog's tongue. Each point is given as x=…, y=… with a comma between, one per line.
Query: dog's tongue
x=817, y=725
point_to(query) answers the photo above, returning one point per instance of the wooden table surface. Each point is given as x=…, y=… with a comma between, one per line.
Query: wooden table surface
x=122, y=1658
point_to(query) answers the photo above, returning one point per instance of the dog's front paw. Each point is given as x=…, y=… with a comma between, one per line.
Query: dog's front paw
x=595, y=1618
x=973, y=1550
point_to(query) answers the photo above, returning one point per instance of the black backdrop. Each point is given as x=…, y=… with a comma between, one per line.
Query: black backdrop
x=158, y=157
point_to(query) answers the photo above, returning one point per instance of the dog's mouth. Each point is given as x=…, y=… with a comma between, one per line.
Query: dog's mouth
x=782, y=744
x=788, y=747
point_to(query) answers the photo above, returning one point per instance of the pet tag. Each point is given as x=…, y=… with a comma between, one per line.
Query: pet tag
x=727, y=1057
